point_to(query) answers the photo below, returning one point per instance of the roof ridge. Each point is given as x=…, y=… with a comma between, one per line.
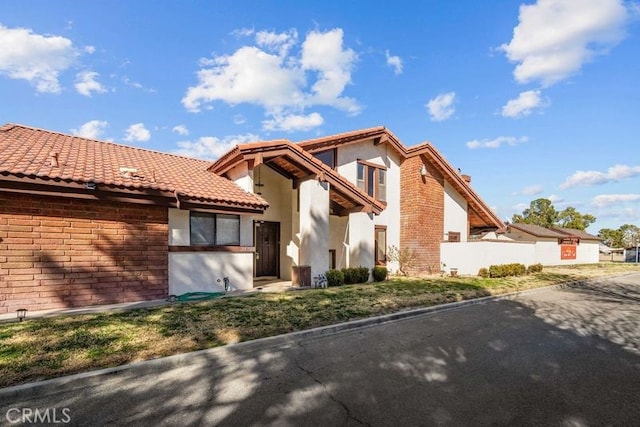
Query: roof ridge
x=10, y=126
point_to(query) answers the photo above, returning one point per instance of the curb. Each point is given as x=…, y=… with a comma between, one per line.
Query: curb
x=86, y=379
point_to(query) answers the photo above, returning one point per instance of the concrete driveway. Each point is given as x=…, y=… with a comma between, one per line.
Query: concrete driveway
x=568, y=357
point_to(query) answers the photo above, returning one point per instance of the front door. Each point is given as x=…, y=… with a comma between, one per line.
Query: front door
x=267, y=248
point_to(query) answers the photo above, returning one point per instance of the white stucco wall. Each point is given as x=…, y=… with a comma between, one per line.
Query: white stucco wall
x=314, y=226
x=361, y=240
x=455, y=213
x=469, y=257
x=199, y=271
x=382, y=155
x=339, y=239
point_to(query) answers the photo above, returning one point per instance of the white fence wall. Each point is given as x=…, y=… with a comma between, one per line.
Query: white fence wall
x=469, y=257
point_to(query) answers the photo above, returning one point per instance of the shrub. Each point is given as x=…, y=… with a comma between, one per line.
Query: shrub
x=353, y=275
x=405, y=258
x=534, y=268
x=505, y=270
x=379, y=273
x=335, y=278
x=362, y=274
x=483, y=272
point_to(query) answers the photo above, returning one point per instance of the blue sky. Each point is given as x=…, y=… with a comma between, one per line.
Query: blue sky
x=532, y=99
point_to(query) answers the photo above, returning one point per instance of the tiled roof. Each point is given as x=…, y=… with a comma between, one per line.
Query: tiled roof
x=537, y=230
x=577, y=233
x=28, y=154
x=294, y=154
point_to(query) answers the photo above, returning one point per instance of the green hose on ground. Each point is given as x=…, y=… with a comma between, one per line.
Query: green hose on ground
x=196, y=296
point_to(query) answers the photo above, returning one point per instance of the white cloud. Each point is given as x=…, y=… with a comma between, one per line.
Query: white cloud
x=554, y=38
x=394, y=62
x=181, y=130
x=277, y=42
x=605, y=200
x=38, y=59
x=496, y=142
x=613, y=174
x=283, y=83
x=532, y=190
x=523, y=105
x=92, y=129
x=86, y=83
x=137, y=132
x=323, y=53
x=293, y=122
x=441, y=107
x=210, y=147
x=555, y=198
x=90, y=49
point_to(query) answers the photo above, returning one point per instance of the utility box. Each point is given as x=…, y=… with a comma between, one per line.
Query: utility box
x=301, y=275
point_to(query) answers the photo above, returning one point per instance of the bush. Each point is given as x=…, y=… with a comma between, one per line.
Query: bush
x=379, y=273
x=405, y=258
x=483, y=272
x=534, y=268
x=505, y=270
x=335, y=278
x=355, y=275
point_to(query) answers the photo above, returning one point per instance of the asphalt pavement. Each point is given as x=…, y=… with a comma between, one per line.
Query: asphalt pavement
x=561, y=357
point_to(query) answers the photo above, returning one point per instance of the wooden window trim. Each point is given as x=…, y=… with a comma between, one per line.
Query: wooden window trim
x=375, y=239
x=214, y=248
x=454, y=236
x=376, y=183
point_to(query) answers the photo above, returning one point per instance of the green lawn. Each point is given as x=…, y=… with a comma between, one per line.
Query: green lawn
x=45, y=348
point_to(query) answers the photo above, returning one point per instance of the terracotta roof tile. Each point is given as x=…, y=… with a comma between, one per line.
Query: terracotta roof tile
x=27, y=153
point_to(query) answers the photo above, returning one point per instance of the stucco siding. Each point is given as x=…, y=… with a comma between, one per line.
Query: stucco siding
x=455, y=213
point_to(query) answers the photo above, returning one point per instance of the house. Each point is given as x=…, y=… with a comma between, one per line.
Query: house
x=86, y=222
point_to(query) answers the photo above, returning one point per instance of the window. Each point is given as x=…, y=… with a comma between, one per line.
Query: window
x=361, y=175
x=328, y=157
x=332, y=259
x=381, y=245
x=454, y=236
x=372, y=179
x=214, y=229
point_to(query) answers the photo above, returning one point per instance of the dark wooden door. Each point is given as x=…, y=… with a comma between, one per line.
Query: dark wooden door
x=267, y=248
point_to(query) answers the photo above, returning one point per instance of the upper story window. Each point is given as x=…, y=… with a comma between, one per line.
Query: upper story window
x=372, y=179
x=328, y=157
x=214, y=229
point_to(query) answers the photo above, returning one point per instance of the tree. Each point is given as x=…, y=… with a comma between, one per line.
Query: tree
x=630, y=235
x=611, y=238
x=542, y=212
x=571, y=218
x=625, y=236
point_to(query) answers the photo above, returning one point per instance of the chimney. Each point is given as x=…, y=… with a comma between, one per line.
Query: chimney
x=467, y=178
x=53, y=159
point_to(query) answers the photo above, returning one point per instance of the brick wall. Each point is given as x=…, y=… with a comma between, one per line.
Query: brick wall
x=422, y=213
x=57, y=252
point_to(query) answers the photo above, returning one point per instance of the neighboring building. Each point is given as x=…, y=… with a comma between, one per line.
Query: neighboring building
x=85, y=222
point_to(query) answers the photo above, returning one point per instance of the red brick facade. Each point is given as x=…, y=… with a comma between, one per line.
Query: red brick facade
x=422, y=213
x=59, y=252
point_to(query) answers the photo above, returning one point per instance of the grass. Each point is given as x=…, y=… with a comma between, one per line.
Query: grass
x=50, y=347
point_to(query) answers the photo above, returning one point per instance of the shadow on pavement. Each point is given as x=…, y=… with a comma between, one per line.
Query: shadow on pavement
x=568, y=357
